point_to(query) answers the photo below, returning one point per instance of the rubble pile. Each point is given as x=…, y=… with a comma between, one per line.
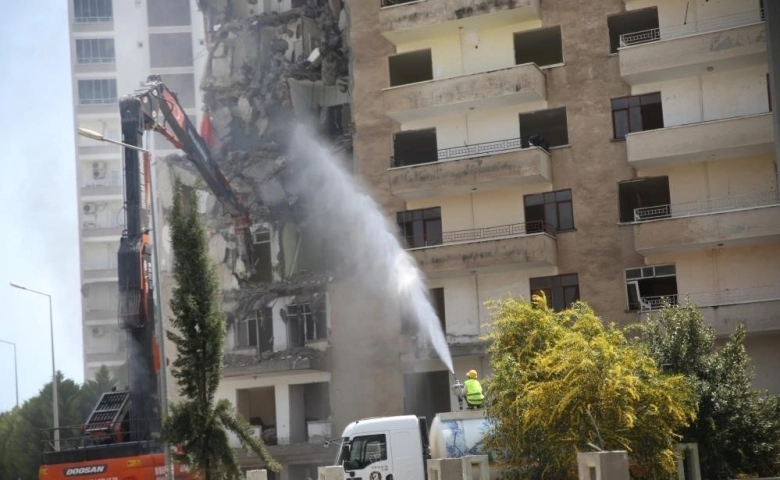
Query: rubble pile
x=293, y=354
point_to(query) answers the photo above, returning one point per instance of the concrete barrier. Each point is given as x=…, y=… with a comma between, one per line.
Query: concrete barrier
x=473, y=467
x=330, y=473
x=603, y=465
x=257, y=475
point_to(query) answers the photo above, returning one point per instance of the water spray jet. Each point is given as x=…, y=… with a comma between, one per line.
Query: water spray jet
x=354, y=228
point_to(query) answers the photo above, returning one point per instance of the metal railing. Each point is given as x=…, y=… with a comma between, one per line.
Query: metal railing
x=763, y=293
x=690, y=28
x=735, y=202
x=452, y=153
x=95, y=60
x=90, y=19
x=390, y=3
x=476, y=234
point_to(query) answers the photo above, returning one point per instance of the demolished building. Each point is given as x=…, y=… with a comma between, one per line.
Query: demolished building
x=272, y=65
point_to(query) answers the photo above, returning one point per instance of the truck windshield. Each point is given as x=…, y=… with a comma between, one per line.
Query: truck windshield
x=364, y=450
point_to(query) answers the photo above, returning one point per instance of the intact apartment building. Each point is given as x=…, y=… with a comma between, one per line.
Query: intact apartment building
x=114, y=47
x=617, y=152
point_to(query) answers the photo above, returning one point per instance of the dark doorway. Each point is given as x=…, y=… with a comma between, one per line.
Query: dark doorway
x=644, y=193
x=548, y=124
x=415, y=147
x=542, y=46
x=633, y=22
x=411, y=67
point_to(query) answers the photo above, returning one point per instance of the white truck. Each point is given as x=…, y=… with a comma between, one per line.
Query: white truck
x=389, y=448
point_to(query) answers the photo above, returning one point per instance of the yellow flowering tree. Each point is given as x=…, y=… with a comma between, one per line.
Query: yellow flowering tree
x=564, y=383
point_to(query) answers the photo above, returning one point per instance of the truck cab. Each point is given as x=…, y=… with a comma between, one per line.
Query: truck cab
x=384, y=448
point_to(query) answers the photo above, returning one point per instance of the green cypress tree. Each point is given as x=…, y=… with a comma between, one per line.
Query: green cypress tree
x=199, y=423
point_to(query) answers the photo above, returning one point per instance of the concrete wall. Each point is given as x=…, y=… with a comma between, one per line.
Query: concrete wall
x=711, y=97
x=477, y=126
x=471, y=51
x=765, y=356
x=479, y=210
x=465, y=297
x=736, y=268
x=672, y=13
x=718, y=180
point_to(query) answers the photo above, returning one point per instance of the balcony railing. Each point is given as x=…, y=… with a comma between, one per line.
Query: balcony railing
x=422, y=157
x=714, y=298
x=735, y=202
x=92, y=19
x=392, y=3
x=487, y=233
x=692, y=28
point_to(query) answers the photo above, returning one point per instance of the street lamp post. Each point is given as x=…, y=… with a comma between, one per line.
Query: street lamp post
x=85, y=132
x=56, y=406
x=16, y=371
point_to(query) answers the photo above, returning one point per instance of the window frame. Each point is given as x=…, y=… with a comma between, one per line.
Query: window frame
x=426, y=241
x=361, y=463
x=645, y=272
x=555, y=292
x=557, y=203
x=310, y=323
x=110, y=84
x=628, y=109
x=104, y=7
x=95, y=45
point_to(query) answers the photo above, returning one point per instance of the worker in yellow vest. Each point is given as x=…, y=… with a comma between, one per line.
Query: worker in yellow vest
x=473, y=389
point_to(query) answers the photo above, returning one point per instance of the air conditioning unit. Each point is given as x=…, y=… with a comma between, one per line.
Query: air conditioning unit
x=98, y=170
x=89, y=208
x=98, y=331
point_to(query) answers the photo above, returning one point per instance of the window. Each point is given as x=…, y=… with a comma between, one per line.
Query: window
x=641, y=25
x=637, y=114
x=644, y=199
x=256, y=331
x=168, y=13
x=421, y=227
x=95, y=50
x=411, y=67
x=336, y=120
x=561, y=290
x=261, y=253
x=170, y=50
x=647, y=288
x=550, y=208
x=548, y=126
x=305, y=324
x=97, y=92
x=542, y=46
x=436, y=296
x=415, y=147
x=92, y=11
x=365, y=450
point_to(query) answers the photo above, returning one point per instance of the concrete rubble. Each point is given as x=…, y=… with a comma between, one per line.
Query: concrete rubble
x=265, y=70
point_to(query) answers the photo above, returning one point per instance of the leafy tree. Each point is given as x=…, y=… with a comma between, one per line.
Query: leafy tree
x=199, y=423
x=738, y=427
x=564, y=381
x=21, y=439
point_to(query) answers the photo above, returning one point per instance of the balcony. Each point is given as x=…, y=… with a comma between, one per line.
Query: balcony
x=402, y=21
x=105, y=192
x=483, y=167
x=100, y=315
x=457, y=95
x=101, y=149
x=679, y=51
x=92, y=233
x=698, y=142
x=758, y=308
x=95, y=275
x=103, y=109
x=285, y=361
x=484, y=250
x=96, y=359
x=739, y=220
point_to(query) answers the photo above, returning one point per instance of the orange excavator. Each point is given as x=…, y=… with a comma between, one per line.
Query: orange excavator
x=118, y=441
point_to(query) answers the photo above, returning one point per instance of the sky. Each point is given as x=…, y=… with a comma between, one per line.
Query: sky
x=40, y=247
